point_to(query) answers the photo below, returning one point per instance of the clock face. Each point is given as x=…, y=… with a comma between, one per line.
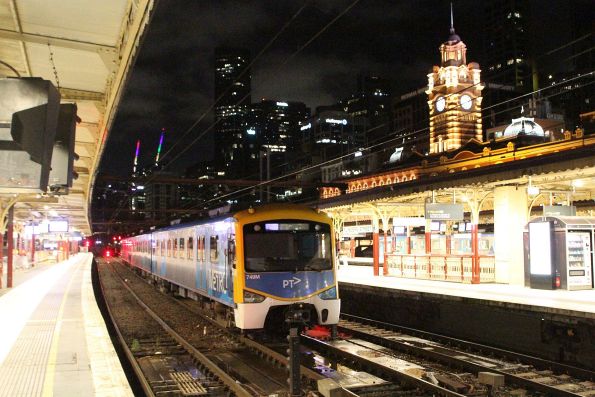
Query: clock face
x=440, y=103
x=466, y=101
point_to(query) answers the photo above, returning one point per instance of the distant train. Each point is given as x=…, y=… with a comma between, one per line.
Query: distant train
x=257, y=263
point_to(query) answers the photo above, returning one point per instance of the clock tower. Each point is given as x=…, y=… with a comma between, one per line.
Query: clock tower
x=454, y=97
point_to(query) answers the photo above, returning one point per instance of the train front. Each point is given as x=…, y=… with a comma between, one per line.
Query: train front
x=285, y=262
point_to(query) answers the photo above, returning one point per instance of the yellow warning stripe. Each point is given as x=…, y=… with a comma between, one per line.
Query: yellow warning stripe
x=50, y=371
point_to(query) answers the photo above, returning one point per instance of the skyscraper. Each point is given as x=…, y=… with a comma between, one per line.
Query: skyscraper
x=232, y=100
x=369, y=109
x=277, y=124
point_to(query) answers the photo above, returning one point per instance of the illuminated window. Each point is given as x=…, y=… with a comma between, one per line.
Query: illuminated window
x=190, y=247
x=214, y=254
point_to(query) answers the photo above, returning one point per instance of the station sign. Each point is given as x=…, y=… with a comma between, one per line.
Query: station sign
x=444, y=212
x=409, y=221
x=356, y=230
x=58, y=226
x=559, y=210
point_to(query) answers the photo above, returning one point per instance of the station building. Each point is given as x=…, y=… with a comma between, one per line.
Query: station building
x=460, y=213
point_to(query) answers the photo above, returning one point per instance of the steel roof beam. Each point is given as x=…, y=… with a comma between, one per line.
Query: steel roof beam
x=107, y=53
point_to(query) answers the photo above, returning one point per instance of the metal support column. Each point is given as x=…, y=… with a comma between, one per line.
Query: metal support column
x=9, y=248
x=1, y=254
x=295, y=389
x=475, y=276
x=32, y=249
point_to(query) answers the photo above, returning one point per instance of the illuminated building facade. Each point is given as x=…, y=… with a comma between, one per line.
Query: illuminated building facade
x=454, y=97
x=329, y=133
x=369, y=109
x=411, y=120
x=232, y=101
x=276, y=125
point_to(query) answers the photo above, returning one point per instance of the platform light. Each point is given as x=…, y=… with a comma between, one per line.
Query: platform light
x=532, y=190
x=578, y=183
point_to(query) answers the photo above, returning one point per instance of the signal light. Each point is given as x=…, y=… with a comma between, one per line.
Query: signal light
x=108, y=253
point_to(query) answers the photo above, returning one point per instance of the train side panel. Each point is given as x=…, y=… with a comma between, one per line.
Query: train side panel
x=218, y=271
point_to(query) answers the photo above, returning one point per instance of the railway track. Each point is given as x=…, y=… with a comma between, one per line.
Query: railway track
x=176, y=354
x=175, y=346
x=455, y=365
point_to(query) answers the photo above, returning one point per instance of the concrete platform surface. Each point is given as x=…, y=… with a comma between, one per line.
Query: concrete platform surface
x=576, y=303
x=54, y=339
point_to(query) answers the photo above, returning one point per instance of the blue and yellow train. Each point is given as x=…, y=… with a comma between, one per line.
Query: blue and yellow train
x=257, y=263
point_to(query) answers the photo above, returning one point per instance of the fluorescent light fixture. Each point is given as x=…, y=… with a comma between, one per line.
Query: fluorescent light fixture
x=284, y=104
x=578, y=183
x=532, y=190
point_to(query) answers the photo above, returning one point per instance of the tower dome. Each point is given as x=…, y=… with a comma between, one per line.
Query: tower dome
x=523, y=126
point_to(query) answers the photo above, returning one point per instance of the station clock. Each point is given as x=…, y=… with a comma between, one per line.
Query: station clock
x=440, y=104
x=466, y=101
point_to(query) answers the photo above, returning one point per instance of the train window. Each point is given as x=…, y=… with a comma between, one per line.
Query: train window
x=168, y=247
x=182, y=251
x=201, y=248
x=175, y=253
x=231, y=252
x=190, y=247
x=213, y=248
x=287, y=248
x=204, y=248
x=162, y=247
x=153, y=247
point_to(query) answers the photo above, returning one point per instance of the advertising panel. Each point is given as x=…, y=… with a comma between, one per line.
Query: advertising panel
x=540, y=251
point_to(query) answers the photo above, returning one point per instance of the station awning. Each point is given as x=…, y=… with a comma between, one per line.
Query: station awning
x=87, y=49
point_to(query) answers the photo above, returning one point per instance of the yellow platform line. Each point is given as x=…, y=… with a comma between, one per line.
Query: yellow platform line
x=50, y=371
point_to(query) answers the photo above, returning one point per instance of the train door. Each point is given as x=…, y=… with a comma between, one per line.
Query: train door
x=201, y=279
x=152, y=241
x=167, y=254
x=231, y=261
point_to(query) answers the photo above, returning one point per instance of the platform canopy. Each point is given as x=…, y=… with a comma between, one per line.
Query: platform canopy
x=86, y=48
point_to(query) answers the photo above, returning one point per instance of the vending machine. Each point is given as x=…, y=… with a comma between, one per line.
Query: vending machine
x=571, y=251
x=579, y=253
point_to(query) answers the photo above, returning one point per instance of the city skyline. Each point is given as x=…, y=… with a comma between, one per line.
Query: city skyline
x=175, y=103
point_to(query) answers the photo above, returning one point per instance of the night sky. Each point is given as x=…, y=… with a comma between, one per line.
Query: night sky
x=172, y=81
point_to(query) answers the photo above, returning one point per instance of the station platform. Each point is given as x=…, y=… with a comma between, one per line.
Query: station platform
x=563, y=302
x=552, y=324
x=54, y=339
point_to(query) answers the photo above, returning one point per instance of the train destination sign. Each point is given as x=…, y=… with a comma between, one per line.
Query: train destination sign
x=444, y=212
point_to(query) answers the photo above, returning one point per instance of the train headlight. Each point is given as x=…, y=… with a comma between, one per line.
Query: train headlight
x=251, y=297
x=330, y=293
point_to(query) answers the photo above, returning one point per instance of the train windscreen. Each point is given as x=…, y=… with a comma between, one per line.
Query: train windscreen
x=279, y=246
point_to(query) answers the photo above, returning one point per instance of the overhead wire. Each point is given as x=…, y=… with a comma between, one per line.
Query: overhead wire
x=494, y=77
x=246, y=69
x=414, y=133
x=383, y=142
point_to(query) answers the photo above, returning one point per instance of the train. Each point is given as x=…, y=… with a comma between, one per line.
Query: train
x=257, y=264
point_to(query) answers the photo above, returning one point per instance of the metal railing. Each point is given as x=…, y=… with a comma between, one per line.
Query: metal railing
x=456, y=268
